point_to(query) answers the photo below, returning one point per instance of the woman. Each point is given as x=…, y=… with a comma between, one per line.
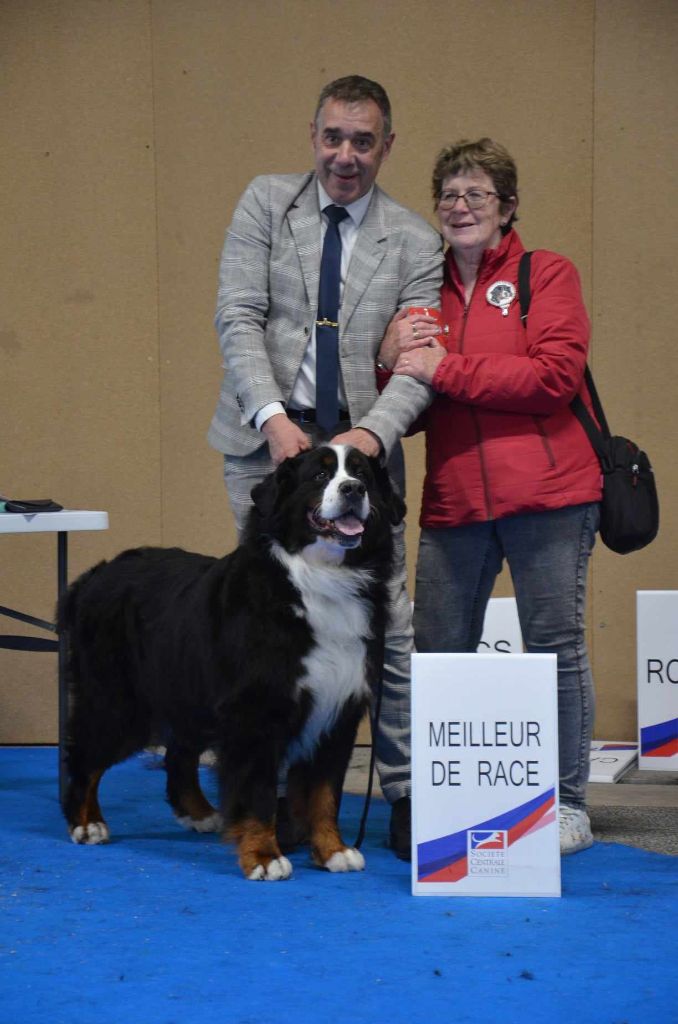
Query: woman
x=510, y=473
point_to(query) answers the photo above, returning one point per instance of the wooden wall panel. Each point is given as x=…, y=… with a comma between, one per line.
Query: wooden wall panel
x=635, y=355
x=78, y=310
x=134, y=127
x=234, y=97
x=236, y=86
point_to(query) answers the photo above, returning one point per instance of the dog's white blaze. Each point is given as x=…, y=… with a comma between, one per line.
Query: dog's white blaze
x=340, y=619
x=333, y=504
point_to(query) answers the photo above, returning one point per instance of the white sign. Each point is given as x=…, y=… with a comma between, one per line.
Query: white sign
x=657, y=636
x=501, y=629
x=609, y=759
x=485, y=775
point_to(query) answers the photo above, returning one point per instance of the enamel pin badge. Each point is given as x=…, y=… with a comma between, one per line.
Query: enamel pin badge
x=501, y=294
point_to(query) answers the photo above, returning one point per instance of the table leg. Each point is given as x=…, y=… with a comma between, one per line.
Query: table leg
x=62, y=583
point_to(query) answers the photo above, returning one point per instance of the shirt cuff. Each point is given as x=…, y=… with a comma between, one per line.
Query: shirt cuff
x=265, y=413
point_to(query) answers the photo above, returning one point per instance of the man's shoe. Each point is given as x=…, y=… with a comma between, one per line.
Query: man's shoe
x=400, y=831
x=575, y=830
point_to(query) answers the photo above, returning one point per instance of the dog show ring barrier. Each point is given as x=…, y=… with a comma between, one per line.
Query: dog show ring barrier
x=62, y=523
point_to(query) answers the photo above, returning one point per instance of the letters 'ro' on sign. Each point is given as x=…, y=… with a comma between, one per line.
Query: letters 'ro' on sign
x=657, y=638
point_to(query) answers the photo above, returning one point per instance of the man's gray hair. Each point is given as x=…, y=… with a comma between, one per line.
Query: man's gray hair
x=353, y=89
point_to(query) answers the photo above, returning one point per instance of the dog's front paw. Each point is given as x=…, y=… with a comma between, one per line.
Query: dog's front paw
x=275, y=871
x=346, y=860
x=92, y=834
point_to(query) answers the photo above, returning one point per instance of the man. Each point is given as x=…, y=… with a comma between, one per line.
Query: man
x=274, y=339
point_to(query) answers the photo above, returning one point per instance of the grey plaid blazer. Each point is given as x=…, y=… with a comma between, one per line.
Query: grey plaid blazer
x=268, y=293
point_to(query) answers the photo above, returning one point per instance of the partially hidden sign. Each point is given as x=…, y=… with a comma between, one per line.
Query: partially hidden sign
x=501, y=628
x=657, y=638
x=485, y=775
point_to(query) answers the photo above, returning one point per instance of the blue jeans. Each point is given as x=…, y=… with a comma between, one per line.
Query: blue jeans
x=548, y=555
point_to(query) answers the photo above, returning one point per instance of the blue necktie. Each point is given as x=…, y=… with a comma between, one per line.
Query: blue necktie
x=327, y=327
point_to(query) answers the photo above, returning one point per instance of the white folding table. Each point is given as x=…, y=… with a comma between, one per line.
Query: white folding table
x=61, y=523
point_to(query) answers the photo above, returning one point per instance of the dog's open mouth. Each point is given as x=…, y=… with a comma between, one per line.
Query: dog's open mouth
x=346, y=529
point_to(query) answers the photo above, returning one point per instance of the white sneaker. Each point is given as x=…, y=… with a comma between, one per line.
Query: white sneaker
x=575, y=830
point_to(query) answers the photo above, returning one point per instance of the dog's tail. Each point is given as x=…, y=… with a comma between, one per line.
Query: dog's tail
x=68, y=604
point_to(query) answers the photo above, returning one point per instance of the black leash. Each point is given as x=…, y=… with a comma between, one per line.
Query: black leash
x=374, y=726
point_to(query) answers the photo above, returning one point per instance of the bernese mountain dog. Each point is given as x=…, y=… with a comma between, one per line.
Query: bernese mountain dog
x=267, y=655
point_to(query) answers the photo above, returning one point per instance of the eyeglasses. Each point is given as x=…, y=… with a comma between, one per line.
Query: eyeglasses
x=475, y=198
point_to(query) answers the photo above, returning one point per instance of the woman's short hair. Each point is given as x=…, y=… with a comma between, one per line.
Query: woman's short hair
x=484, y=155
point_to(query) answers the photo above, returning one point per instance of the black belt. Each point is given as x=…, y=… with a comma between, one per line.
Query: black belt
x=308, y=415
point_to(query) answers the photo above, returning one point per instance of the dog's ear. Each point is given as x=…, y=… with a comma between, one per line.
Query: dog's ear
x=394, y=505
x=268, y=494
x=263, y=495
x=397, y=509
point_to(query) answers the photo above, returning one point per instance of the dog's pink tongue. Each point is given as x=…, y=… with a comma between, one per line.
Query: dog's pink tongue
x=349, y=524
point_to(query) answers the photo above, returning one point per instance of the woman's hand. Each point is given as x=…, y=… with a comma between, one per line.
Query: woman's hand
x=421, y=363
x=404, y=333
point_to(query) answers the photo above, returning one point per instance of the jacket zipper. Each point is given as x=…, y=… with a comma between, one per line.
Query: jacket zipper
x=474, y=417
x=545, y=441
x=463, y=327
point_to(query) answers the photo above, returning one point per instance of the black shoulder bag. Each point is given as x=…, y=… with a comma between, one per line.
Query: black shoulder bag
x=629, y=508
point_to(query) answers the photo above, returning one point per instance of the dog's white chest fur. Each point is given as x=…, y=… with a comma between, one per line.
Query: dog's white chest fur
x=339, y=616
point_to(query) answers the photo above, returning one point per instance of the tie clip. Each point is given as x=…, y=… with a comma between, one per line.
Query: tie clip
x=326, y=323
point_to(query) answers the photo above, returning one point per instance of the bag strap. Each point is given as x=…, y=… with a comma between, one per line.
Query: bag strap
x=595, y=435
x=588, y=423
x=524, y=289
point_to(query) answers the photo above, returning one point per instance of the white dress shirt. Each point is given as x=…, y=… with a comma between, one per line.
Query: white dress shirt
x=303, y=392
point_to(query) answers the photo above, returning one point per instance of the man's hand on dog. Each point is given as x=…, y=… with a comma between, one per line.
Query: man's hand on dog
x=285, y=438
x=364, y=440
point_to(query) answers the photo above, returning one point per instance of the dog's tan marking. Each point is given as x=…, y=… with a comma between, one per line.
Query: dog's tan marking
x=195, y=804
x=258, y=852
x=89, y=827
x=189, y=801
x=89, y=811
x=322, y=815
x=190, y=805
x=328, y=848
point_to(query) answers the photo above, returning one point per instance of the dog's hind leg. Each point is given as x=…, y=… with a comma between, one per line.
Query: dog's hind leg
x=184, y=794
x=92, y=748
x=100, y=734
x=81, y=807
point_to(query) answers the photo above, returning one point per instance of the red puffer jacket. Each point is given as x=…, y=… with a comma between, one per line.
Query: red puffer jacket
x=500, y=437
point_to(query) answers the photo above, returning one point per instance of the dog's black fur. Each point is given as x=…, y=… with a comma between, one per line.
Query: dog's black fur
x=217, y=653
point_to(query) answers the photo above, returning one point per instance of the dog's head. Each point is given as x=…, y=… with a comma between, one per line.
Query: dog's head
x=332, y=499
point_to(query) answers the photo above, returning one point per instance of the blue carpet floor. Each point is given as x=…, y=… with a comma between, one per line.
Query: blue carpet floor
x=159, y=926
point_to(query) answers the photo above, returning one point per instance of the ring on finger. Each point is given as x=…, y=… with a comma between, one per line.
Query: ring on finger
x=415, y=332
